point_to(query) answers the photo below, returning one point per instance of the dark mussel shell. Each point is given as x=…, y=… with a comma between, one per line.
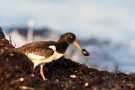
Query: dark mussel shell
x=85, y=53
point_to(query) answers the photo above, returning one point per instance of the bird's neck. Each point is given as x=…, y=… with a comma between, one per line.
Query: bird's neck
x=62, y=46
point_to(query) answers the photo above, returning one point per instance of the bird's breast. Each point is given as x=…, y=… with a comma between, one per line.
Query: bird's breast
x=57, y=55
x=37, y=59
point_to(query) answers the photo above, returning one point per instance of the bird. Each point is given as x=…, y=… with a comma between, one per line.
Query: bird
x=42, y=52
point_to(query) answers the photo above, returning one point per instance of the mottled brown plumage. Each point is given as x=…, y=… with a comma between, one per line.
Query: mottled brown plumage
x=40, y=48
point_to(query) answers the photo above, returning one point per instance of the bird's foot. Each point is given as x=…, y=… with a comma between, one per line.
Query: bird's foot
x=44, y=78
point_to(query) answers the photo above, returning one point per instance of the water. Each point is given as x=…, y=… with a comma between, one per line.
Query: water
x=112, y=20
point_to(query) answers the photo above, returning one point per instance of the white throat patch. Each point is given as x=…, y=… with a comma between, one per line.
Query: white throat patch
x=52, y=47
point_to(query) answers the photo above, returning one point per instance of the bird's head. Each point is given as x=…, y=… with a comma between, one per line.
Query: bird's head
x=70, y=38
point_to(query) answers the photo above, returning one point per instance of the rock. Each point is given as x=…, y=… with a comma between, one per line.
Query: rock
x=15, y=68
x=1, y=33
x=5, y=45
x=16, y=72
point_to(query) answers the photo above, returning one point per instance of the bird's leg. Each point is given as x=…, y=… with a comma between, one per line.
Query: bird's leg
x=33, y=72
x=42, y=72
x=34, y=67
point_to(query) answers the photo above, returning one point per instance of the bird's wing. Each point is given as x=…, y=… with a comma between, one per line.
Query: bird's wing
x=35, y=46
x=43, y=52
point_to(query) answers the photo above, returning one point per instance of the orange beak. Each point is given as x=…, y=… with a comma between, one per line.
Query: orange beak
x=84, y=52
x=77, y=45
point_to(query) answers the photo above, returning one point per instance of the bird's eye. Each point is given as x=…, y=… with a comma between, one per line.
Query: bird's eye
x=71, y=37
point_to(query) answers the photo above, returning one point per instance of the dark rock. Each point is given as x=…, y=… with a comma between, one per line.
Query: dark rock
x=14, y=67
x=63, y=74
x=44, y=32
x=5, y=45
x=1, y=33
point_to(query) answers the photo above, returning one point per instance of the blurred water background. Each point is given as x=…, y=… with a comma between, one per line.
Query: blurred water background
x=106, y=28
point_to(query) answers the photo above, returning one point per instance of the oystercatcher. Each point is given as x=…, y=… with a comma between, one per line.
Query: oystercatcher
x=42, y=52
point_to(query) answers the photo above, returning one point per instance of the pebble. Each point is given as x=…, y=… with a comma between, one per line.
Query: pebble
x=86, y=84
x=57, y=80
x=21, y=79
x=73, y=76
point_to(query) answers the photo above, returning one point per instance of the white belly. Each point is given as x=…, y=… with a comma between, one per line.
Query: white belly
x=36, y=59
